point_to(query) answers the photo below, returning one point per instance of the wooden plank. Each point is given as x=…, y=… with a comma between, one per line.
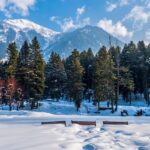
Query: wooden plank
x=54, y=122
x=84, y=122
x=116, y=122
x=105, y=108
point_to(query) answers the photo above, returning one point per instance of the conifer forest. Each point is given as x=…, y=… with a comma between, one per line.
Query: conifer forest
x=104, y=76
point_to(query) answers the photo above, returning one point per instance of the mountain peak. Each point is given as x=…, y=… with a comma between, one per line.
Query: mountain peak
x=23, y=24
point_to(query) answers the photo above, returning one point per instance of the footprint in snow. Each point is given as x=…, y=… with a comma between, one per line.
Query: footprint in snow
x=89, y=147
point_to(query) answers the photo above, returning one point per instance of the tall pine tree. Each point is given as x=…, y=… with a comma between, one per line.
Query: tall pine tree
x=37, y=71
x=12, y=60
x=87, y=61
x=55, y=77
x=104, y=78
x=74, y=72
x=24, y=69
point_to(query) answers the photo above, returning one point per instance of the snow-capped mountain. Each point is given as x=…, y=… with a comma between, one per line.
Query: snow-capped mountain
x=87, y=37
x=25, y=25
x=20, y=29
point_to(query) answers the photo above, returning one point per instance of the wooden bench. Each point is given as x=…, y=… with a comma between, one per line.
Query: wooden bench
x=54, y=122
x=84, y=122
x=116, y=122
x=105, y=108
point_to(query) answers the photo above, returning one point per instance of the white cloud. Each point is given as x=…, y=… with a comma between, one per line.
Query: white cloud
x=147, y=4
x=22, y=6
x=123, y=2
x=147, y=37
x=2, y=4
x=54, y=18
x=117, y=29
x=85, y=21
x=139, y=15
x=111, y=6
x=16, y=6
x=80, y=11
x=68, y=24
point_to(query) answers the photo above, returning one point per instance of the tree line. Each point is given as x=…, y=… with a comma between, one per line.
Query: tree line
x=96, y=77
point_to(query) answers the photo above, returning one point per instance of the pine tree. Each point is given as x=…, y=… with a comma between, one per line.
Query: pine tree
x=55, y=77
x=142, y=67
x=104, y=78
x=147, y=64
x=87, y=61
x=74, y=72
x=129, y=70
x=115, y=55
x=12, y=60
x=24, y=68
x=37, y=71
x=133, y=58
x=126, y=84
x=3, y=70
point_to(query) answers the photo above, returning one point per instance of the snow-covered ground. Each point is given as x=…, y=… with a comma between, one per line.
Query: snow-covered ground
x=51, y=108
x=59, y=137
x=68, y=108
x=22, y=130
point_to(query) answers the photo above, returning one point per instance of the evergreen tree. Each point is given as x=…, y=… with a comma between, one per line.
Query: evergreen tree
x=129, y=63
x=115, y=55
x=24, y=69
x=55, y=77
x=104, y=78
x=3, y=70
x=12, y=60
x=87, y=61
x=74, y=72
x=37, y=71
x=144, y=69
x=126, y=84
x=134, y=58
x=147, y=64
x=143, y=55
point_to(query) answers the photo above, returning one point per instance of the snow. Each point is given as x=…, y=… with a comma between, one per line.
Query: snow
x=23, y=24
x=59, y=137
x=22, y=130
x=67, y=108
x=64, y=107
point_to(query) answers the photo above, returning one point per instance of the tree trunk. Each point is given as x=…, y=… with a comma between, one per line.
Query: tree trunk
x=98, y=105
x=118, y=84
x=89, y=99
x=130, y=97
x=112, y=106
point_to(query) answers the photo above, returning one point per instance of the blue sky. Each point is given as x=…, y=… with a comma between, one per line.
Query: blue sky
x=125, y=19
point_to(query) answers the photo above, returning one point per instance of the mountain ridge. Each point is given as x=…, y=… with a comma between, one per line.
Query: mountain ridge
x=63, y=43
